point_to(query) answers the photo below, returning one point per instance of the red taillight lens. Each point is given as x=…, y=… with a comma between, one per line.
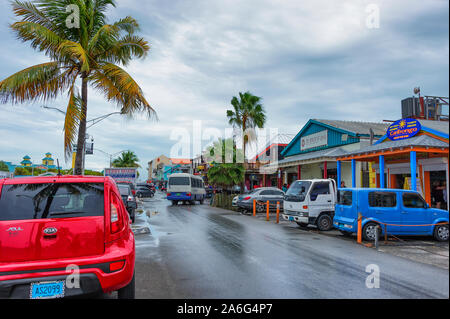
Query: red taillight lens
x=116, y=265
x=247, y=198
x=130, y=198
x=188, y=194
x=133, y=192
x=116, y=223
x=168, y=194
x=305, y=207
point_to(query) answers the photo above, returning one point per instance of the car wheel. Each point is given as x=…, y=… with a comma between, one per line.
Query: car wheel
x=441, y=232
x=369, y=231
x=260, y=208
x=174, y=202
x=324, y=222
x=302, y=224
x=127, y=292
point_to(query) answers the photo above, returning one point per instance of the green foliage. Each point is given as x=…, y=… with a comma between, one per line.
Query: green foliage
x=92, y=173
x=224, y=151
x=22, y=171
x=3, y=167
x=226, y=175
x=126, y=159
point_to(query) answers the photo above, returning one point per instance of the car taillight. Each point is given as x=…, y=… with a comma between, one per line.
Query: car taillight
x=133, y=192
x=130, y=198
x=116, y=265
x=247, y=198
x=188, y=194
x=116, y=222
x=305, y=207
x=168, y=194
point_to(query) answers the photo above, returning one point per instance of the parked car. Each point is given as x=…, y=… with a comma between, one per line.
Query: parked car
x=405, y=212
x=128, y=199
x=146, y=187
x=261, y=195
x=311, y=202
x=50, y=223
x=133, y=187
x=143, y=192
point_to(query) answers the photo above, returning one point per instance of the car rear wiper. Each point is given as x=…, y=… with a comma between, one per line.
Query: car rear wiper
x=66, y=213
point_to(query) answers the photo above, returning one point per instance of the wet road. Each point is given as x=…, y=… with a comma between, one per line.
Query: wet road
x=203, y=252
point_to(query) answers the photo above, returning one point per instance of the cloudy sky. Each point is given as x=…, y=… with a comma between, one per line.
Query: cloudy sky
x=306, y=59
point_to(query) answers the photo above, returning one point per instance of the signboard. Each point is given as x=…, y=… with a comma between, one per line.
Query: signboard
x=5, y=174
x=122, y=174
x=314, y=140
x=403, y=129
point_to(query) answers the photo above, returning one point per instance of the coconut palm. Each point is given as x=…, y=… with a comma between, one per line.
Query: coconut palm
x=92, y=53
x=126, y=159
x=248, y=113
x=226, y=175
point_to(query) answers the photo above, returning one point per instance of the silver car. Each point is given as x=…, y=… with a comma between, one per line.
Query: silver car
x=261, y=195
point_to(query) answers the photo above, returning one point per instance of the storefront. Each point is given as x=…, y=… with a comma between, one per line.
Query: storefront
x=413, y=154
x=314, y=151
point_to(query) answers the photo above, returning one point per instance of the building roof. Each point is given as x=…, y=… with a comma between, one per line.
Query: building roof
x=327, y=153
x=180, y=161
x=26, y=157
x=357, y=127
x=440, y=126
x=417, y=141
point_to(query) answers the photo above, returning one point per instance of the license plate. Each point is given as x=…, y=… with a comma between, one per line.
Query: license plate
x=178, y=194
x=291, y=218
x=47, y=290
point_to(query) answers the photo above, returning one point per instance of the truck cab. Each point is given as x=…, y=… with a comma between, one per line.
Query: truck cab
x=311, y=202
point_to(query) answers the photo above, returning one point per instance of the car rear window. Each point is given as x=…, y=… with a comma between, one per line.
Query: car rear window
x=52, y=200
x=345, y=198
x=382, y=199
x=124, y=190
x=175, y=181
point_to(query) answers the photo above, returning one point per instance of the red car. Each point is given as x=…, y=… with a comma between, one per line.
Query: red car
x=64, y=236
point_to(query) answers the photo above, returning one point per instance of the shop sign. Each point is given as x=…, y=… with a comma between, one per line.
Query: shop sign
x=314, y=140
x=403, y=129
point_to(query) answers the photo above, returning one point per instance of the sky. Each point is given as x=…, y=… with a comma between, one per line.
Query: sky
x=307, y=59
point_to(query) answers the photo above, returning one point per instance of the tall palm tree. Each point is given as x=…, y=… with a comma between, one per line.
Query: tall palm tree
x=126, y=159
x=247, y=113
x=91, y=53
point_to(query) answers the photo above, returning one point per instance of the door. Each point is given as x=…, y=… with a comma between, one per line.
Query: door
x=320, y=198
x=384, y=206
x=415, y=212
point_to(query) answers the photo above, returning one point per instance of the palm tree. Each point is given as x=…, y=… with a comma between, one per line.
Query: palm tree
x=126, y=159
x=247, y=113
x=91, y=53
x=226, y=175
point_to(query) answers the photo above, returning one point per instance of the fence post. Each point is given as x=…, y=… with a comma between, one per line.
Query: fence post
x=359, y=234
x=278, y=212
x=377, y=230
x=385, y=234
x=267, y=209
x=254, y=207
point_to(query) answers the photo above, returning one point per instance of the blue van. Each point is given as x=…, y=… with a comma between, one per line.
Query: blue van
x=402, y=209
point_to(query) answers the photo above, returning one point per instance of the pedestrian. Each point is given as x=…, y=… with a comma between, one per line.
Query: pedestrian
x=284, y=188
x=343, y=184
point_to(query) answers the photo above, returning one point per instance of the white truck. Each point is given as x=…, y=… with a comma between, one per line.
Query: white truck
x=311, y=202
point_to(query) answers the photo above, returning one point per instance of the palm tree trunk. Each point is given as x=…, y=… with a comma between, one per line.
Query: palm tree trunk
x=82, y=129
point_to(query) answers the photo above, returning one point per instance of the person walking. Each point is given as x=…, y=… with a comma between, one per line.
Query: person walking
x=284, y=188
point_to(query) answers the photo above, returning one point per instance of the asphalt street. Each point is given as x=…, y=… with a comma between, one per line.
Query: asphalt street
x=197, y=251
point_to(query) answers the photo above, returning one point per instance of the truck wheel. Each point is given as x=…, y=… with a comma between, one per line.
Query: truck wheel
x=369, y=231
x=174, y=202
x=127, y=292
x=302, y=224
x=324, y=222
x=441, y=232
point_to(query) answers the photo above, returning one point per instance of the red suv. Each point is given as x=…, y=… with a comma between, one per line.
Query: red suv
x=64, y=236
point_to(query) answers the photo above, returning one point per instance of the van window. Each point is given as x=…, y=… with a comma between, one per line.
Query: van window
x=179, y=181
x=345, y=198
x=51, y=200
x=321, y=188
x=382, y=199
x=411, y=200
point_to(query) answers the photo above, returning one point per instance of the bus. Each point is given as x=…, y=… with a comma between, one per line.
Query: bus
x=187, y=188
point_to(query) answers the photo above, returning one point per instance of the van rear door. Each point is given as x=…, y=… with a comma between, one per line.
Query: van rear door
x=51, y=221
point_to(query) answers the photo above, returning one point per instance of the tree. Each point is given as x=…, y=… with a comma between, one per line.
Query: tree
x=126, y=159
x=248, y=113
x=86, y=49
x=3, y=167
x=226, y=174
x=21, y=171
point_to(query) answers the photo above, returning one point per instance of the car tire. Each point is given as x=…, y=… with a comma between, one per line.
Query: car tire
x=174, y=202
x=368, y=231
x=440, y=232
x=133, y=217
x=324, y=222
x=303, y=225
x=127, y=292
x=260, y=208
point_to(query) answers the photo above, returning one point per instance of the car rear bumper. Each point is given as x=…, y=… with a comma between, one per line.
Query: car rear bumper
x=94, y=273
x=344, y=224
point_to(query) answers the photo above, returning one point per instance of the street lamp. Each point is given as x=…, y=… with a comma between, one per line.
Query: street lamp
x=110, y=155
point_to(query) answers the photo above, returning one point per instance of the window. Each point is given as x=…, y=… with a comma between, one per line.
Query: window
x=345, y=198
x=179, y=181
x=51, y=200
x=382, y=199
x=321, y=188
x=124, y=190
x=412, y=200
x=265, y=193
